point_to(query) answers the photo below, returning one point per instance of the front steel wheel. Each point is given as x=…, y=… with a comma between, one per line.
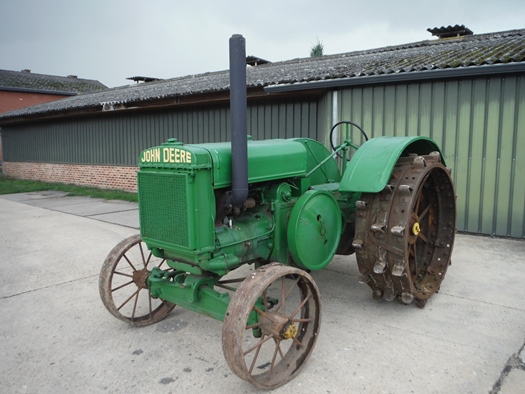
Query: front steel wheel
x=123, y=284
x=405, y=234
x=271, y=325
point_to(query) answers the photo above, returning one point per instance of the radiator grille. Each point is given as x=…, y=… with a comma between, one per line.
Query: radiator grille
x=163, y=207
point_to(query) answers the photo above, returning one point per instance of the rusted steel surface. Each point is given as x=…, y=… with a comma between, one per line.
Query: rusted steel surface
x=272, y=350
x=122, y=284
x=405, y=234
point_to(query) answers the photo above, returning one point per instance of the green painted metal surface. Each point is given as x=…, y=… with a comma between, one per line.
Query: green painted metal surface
x=316, y=154
x=267, y=160
x=371, y=166
x=192, y=292
x=195, y=293
x=249, y=239
x=314, y=229
x=282, y=201
x=176, y=201
x=180, y=184
x=183, y=187
x=118, y=138
x=479, y=126
x=295, y=212
x=177, y=204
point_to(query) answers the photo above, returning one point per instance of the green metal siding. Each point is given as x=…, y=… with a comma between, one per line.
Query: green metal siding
x=478, y=123
x=118, y=139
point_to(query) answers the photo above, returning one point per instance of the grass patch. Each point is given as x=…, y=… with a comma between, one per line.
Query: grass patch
x=11, y=185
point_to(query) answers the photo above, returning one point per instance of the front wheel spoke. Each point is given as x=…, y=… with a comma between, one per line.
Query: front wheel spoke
x=129, y=262
x=297, y=341
x=274, y=354
x=227, y=281
x=287, y=294
x=264, y=314
x=129, y=298
x=162, y=262
x=123, y=274
x=300, y=306
x=255, y=357
x=258, y=345
x=135, y=305
x=302, y=320
x=142, y=254
x=148, y=260
x=278, y=344
x=121, y=286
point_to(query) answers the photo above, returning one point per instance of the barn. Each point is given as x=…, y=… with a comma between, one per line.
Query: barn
x=464, y=90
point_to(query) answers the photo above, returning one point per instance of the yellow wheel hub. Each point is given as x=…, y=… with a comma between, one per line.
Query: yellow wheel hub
x=416, y=229
x=291, y=332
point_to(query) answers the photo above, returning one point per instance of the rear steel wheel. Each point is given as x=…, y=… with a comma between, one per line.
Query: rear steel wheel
x=405, y=234
x=271, y=325
x=123, y=284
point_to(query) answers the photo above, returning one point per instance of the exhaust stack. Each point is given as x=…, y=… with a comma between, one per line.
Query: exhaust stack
x=239, y=137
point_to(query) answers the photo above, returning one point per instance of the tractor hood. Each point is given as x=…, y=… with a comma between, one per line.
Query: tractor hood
x=268, y=159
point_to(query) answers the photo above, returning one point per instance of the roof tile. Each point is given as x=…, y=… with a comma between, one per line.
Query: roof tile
x=465, y=51
x=50, y=83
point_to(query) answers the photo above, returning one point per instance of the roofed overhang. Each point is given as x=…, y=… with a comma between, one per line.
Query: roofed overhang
x=112, y=108
x=427, y=75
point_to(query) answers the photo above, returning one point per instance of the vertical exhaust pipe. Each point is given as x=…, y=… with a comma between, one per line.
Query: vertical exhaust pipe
x=239, y=135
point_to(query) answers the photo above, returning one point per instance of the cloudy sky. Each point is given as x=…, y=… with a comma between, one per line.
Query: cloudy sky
x=109, y=40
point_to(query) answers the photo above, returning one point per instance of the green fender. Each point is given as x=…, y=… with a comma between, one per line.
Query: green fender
x=371, y=165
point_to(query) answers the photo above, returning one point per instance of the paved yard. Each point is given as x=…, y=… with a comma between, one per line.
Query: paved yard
x=56, y=336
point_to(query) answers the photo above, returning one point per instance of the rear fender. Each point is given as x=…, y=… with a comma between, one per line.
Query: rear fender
x=371, y=165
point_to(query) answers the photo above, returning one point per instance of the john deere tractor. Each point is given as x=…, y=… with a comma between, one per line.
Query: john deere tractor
x=233, y=231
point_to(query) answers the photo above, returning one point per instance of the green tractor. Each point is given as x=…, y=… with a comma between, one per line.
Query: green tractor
x=284, y=207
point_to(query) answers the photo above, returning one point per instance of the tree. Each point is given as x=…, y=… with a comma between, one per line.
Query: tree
x=317, y=49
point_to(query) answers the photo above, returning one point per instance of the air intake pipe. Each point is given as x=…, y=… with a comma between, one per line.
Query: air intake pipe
x=239, y=135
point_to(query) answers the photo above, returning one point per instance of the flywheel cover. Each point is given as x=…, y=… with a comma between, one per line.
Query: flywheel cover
x=314, y=229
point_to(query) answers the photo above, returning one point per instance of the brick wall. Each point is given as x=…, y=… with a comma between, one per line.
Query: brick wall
x=104, y=177
x=10, y=100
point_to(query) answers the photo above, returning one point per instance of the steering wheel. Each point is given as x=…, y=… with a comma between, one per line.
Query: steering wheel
x=345, y=122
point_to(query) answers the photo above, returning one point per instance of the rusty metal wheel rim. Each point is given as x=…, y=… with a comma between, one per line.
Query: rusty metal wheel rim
x=405, y=234
x=123, y=284
x=284, y=346
x=428, y=255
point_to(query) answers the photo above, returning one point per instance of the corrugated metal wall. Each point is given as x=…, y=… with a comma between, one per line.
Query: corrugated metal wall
x=118, y=139
x=480, y=126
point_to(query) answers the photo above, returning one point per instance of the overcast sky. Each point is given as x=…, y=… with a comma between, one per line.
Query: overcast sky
x=110, y=40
